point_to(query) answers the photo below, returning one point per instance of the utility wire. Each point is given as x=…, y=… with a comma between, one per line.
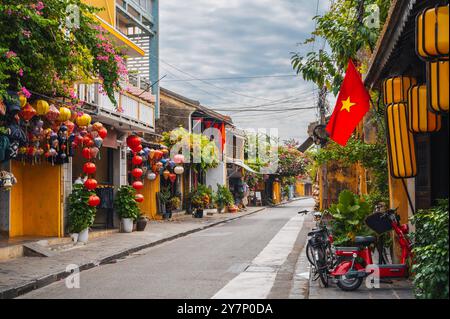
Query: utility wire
x=235, y=78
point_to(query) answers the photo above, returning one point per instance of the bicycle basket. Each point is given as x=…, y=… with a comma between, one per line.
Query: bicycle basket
x=378, y=223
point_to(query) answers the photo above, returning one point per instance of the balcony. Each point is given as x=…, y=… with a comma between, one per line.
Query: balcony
x=136, y=105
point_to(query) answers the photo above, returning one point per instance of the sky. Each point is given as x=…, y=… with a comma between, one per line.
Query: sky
x=204, y=41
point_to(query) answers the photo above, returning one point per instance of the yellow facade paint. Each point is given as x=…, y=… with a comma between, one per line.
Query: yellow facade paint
x=149, y=206
x=276, y=193
x=36, y=201
x=300, y=188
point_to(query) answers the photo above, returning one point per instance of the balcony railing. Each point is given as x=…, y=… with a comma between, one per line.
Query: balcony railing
x=134, y=110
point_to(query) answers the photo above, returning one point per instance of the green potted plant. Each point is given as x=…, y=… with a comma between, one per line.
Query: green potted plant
x=164, y=197
x=81, y=214
x=222, y=198
x=126, y=207
x=173, y=203
x=201, y=198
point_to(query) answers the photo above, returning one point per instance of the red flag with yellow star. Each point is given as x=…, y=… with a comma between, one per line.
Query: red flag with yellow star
x=351, y=106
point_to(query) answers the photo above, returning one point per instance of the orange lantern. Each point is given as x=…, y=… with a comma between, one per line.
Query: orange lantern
x=395, y=89
x=420, y=119
x=438, y=83
x=432, y=33
x=28, y=112
x=401, y=150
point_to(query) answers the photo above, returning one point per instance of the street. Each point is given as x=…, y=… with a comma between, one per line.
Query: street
x=251, y=257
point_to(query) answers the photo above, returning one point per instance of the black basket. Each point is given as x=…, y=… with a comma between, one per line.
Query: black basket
x=379, y=223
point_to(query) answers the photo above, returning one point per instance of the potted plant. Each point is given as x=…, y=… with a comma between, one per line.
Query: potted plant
x=81, y=214
x=222, y=198
x=141, y=223
x=164, y=197
x=201, y=199
x=126, y=207
x=173, y=203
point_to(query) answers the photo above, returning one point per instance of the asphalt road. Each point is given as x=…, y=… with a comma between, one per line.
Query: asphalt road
x=244, y=258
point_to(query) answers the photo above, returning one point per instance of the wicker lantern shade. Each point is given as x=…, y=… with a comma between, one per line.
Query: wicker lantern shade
x=395, y=89
x=432, y=32
x=438, y=85
x=401, y=150
x=420, y=118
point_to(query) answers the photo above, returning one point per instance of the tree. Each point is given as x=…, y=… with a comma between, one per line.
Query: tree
x=40, y=51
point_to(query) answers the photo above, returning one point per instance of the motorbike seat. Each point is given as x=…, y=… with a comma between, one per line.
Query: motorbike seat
x=315, y=231
x=364, y=240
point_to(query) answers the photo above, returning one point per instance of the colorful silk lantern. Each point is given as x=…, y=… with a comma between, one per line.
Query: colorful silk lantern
x=83, y=120
x=64, y=114
x=401, y=150
x=137, y=173
x=432, y=33
x=438, y=84
x=70, y=126
x=42, y=107
x=151, y=176
x=172, y=177
x=134, y=142
x=420, y=119
x=94, y=151
x=158, y=155
x=179, y=170
x=103, y=132
x=27, y=112
x=178, y=159
x=52, y=114
x=137, y=160
x=395, y=89
x=166, y=174
x=22, y=100
x=137, y=185
x=139, y=198
x=90, y=184
x=97, y=126
x=89, y=168
x=94, y=201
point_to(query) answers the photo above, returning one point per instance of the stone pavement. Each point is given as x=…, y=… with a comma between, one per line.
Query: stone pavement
x=398, y=289
x=21, y=275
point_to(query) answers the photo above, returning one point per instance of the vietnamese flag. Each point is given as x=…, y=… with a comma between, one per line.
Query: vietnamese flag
x=351, y=106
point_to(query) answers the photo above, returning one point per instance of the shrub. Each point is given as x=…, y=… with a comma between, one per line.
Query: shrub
x=81, y=215
x=174, y=203
x=349, y=215
x=125, y=204
x=223, y=197
x=201, y=197
x=430, y=250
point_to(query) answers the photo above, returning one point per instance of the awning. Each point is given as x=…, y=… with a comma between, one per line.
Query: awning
x=242, y=164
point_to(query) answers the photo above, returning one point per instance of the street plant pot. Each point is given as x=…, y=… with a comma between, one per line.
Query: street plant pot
x=74, y=237
x=168, y=214
x=198, y=213
x=219, y=210
x=141, y=223
x=83, y=236
x=127, y=225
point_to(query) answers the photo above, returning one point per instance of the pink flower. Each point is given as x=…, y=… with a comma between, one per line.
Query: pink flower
x=25, y=92
x=26, y=33
x=10, y=54
x=21, y=72
x=40, y=6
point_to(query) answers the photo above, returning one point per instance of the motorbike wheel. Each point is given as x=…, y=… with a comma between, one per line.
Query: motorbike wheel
x=349, y=284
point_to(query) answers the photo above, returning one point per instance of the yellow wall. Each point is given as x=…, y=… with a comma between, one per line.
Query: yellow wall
x=149, y=206
x=300, y=188
x=36, y=201
x=276, y=193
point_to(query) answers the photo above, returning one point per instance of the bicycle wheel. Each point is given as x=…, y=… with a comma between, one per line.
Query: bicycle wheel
x=310, y=253
x=321, y=264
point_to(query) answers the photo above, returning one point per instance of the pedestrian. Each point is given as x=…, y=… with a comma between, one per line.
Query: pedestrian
x=246, y=193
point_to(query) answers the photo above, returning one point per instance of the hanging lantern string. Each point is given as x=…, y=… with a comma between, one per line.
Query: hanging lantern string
x=56, y=100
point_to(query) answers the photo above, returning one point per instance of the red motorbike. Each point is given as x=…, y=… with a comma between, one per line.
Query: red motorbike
x=357, y=261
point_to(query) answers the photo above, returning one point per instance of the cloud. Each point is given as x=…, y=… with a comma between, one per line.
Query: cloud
x=226, y=38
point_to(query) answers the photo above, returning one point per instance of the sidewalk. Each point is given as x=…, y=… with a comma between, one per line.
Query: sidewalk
x=21, y=275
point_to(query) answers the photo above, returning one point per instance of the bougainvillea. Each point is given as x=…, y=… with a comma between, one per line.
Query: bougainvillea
x=291, y=162
x=43, y=50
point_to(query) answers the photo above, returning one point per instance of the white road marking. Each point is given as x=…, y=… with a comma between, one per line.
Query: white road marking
x=258, y=279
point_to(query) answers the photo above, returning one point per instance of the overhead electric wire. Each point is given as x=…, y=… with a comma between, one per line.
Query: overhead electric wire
x=235, y=78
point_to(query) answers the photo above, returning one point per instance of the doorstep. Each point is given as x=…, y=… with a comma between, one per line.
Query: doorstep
x=14, y=247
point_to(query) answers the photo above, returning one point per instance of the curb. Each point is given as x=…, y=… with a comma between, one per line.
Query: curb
x=29, y=286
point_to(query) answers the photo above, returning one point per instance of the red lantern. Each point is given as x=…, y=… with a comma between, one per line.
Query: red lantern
x=173, y=177
x=138, y=185
x=139, y=198
x=137, y=173
x=166, y=174
x=53, y=113
x=87, y=141
x=133, y=142
x=86, y=152
x=137, y=160
x=103, y=132
x=28, y=112
x=89, y=168
x=94, y=201
x=90, y=184
x=70, y=126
